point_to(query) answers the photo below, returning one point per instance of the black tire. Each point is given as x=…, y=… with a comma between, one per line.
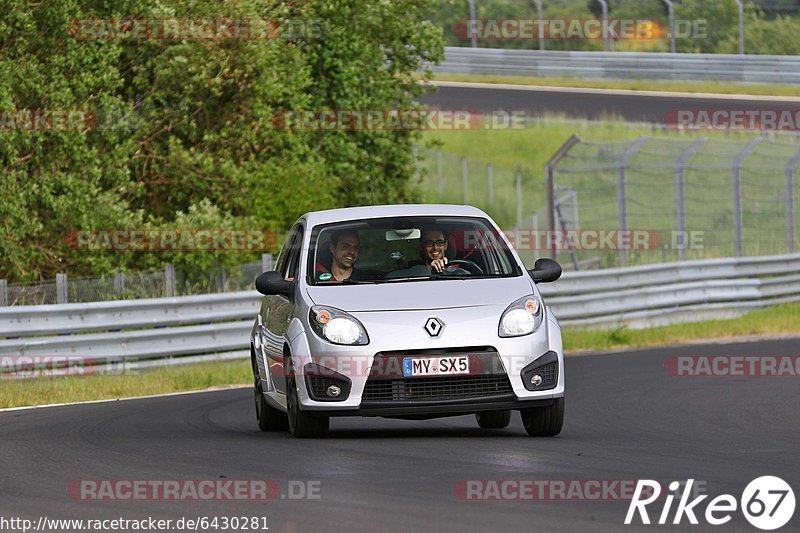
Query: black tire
x=302, y=425
x=494, y=419
x=268, y=418
x=544, y=421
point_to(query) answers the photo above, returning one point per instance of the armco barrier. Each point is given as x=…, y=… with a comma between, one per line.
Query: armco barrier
x=196, y=328
x=621, y=65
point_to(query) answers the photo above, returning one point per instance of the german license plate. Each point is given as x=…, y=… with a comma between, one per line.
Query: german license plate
x=435, y=366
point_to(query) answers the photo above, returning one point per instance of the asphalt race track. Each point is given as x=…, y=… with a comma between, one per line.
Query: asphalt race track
x=626, y=419
x=590, y=104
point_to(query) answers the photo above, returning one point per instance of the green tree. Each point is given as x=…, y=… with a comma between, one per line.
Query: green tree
x=187, y=123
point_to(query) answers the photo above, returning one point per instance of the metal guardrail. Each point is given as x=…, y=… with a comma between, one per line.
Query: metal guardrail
x=217, y=326
x=621, y=65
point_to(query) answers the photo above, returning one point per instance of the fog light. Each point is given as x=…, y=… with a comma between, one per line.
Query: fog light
x=536, y=380
x=334, y=391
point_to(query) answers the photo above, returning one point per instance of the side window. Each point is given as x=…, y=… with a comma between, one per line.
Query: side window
x=287, y=245
x=292, y=258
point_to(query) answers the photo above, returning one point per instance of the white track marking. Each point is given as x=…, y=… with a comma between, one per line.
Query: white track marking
x=89, y=402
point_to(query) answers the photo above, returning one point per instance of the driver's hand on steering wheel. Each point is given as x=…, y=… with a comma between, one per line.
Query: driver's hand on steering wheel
x=439, y=265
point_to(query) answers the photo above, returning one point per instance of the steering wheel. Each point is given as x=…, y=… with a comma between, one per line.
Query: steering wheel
x=472, y=268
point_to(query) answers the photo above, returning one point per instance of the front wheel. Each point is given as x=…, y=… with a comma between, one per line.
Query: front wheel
x=269, y=418
x=303, y=425
x=544, y=421
x=494, y=419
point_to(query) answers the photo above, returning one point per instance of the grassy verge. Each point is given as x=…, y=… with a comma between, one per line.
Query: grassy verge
x=776, y=320
x=651, y=190
x=62, y=389
x=633, y=85
x=782, y=319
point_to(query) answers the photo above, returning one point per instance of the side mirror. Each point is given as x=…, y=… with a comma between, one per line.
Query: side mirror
x=271, y=282
x=545, y=270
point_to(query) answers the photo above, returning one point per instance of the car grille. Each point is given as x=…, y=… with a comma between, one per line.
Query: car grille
x=436, y=388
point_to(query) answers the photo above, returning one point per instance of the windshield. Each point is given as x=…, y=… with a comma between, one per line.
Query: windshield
x=403, y=249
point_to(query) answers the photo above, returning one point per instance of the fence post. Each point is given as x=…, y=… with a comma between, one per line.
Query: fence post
x=740, y=9
x=119, y=282
x=540, y=23
x=549, y=173
x=169, y=280
x=671, y=18
x=490, y=172
x=3, y=293
x=519, y=195
x=738, y=246
x=464, y=186
x=680, y=186
x=267, y=262
x=622, y=197
x=789, y=194
x=61, y=288
x=439, y=180
x=472, y=16
x=604, y=24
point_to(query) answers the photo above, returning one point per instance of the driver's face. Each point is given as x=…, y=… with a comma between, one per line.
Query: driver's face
x=345, y=252
x=433, y=245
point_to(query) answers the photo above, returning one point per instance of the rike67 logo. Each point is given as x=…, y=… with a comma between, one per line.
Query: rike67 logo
x=767, y=503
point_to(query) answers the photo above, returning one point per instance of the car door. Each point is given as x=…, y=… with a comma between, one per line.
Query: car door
x=276, y=310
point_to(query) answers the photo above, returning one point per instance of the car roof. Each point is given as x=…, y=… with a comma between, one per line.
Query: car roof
x=381, y=211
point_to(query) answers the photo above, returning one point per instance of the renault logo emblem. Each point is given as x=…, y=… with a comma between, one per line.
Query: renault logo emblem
x=433, y=326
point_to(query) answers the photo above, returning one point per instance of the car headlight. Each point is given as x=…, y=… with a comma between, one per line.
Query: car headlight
x=521, y=317
x=336, y=326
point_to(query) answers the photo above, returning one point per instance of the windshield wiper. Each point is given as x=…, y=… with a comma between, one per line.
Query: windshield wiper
x=411, y=278
x=350, y=281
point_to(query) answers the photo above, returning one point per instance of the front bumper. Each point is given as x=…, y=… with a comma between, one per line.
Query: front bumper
x=437, y=409
x=464, y=333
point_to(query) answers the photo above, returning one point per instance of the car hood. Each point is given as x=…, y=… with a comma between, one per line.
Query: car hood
x=418, y=295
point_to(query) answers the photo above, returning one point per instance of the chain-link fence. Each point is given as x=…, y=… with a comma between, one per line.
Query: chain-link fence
x=165, y=282
x=646, y=200
x=514, y=198
x=506, y=193
x=676, y=199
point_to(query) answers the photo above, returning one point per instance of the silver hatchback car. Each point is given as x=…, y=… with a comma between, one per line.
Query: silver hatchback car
x=405, y=311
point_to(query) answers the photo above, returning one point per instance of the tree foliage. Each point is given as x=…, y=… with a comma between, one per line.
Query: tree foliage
x=184, y=129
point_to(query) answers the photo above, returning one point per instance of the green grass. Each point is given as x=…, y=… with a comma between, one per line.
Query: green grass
x=633, y=85
x=62, y=389
x=782, y=319
x=529, y=148
x=651, y=191
x=779, y=319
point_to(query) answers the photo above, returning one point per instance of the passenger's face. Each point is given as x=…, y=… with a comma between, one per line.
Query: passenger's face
x=433, y=245
x=345, y=252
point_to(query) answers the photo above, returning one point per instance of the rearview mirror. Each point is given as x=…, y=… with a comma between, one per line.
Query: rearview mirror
x=271, y=283
x=545, y=270
x=402, y=234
